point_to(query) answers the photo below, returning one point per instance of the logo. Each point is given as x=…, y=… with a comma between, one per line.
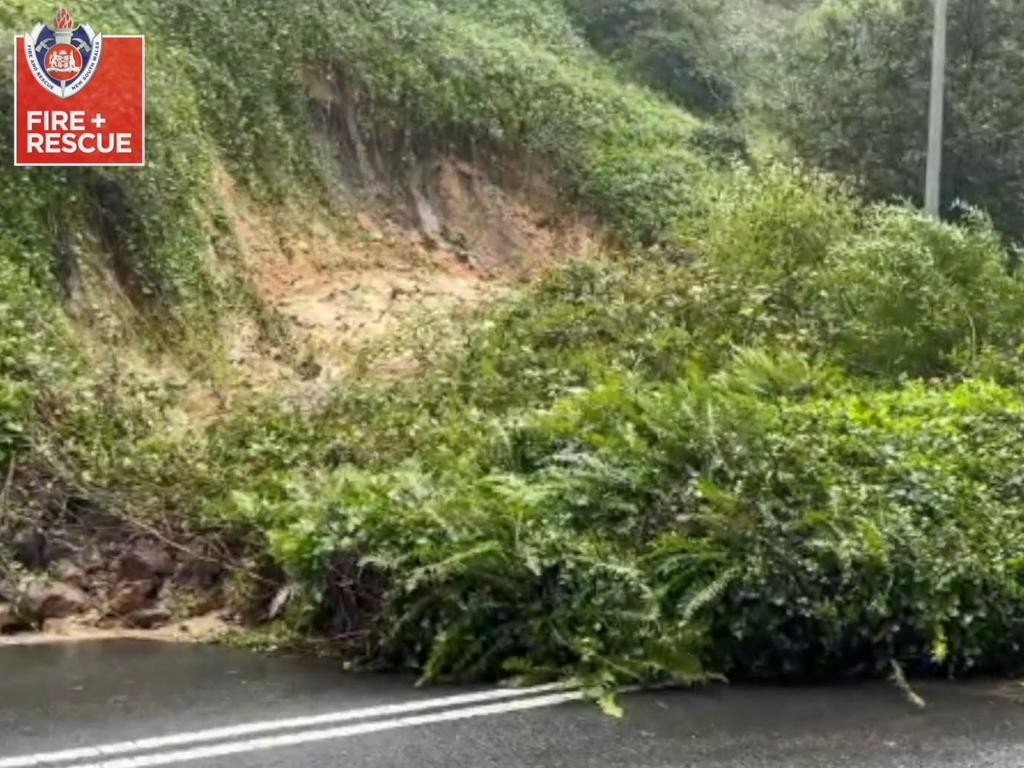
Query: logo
x=79, y=96
x=63, y=58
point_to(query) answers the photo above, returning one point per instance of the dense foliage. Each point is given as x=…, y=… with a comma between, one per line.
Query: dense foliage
x=427, y=78
x=773, y=434
x=854, y=98
x=675, y=46
x=768, y=521
x=649, y=468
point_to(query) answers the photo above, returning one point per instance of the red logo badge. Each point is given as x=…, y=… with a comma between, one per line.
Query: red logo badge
x=79, y=96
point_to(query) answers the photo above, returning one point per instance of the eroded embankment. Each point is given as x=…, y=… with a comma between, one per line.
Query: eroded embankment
x=408, y=249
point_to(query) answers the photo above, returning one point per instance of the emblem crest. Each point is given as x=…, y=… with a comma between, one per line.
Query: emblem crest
x=63, y=58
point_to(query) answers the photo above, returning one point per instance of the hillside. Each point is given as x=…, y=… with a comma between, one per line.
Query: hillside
x=295, y=213
x=448, y=336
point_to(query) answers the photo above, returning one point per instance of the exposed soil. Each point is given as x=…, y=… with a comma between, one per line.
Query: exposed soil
x=199, y=629
x=468, y=243
x=448, y=237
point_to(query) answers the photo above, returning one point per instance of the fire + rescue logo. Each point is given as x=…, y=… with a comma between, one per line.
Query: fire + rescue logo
x=79, y=97
x=63, y=58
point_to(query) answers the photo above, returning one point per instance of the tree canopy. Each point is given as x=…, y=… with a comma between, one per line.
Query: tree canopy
x=853, y=98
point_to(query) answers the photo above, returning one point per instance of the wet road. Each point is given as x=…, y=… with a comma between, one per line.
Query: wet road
x=90, y=704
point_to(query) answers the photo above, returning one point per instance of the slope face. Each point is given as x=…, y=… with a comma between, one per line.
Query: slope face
x=296, y=212
x=774, y=433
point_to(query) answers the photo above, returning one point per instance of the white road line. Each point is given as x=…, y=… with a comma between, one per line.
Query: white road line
x=308, y=737
x=248, y=729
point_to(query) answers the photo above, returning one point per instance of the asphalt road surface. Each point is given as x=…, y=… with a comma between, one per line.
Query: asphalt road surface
x=134, y=704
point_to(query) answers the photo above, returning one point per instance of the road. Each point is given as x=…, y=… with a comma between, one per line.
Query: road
x=135, y=704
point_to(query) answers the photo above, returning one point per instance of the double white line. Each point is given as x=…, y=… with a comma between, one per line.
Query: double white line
x=275, y=734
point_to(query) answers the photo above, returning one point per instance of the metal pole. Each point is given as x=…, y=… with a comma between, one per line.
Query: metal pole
x=933, y=175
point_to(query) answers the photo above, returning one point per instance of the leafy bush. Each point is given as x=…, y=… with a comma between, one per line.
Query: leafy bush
x=791, y=257
x=33, y=349
x=13, y=420
x=908, y=295
x=881, y=526
x=707, y=461
x=769, y=521
x=775, y=223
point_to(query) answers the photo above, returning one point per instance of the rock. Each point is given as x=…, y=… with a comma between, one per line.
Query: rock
x=92, y=559
x=54, y=600
x=280, y=602
x=69, y=573
x=10, y=621
x=199, y=573
x=145, y=560
x=165, y=592
x=57, y=627
x=9, y=591
x=29, y=548
x=93, y=617
x=369, y=226
x=149, y=618
x=465, y=169
x=131, y=596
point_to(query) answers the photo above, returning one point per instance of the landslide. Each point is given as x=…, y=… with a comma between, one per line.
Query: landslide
x=325, y=182
x=764, y=429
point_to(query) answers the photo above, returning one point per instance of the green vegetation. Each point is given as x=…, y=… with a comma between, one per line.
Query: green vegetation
x=512, y=82
x=773, y=432
x=642, y=530
x=412, y=67
x=642, y=468
x=674, y=46
x=852, y=97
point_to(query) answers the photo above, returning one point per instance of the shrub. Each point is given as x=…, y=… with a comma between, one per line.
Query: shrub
x=774, y=224
x=13, y=421
x=791, y=257
x=908, y=295
x=878, y=526
x=769, y=521
x=707, y=461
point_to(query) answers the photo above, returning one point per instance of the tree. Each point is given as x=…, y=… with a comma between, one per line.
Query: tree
x=674, y=46
x=853, y=97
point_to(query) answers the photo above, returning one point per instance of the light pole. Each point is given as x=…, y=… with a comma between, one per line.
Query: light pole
x=933, y=175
